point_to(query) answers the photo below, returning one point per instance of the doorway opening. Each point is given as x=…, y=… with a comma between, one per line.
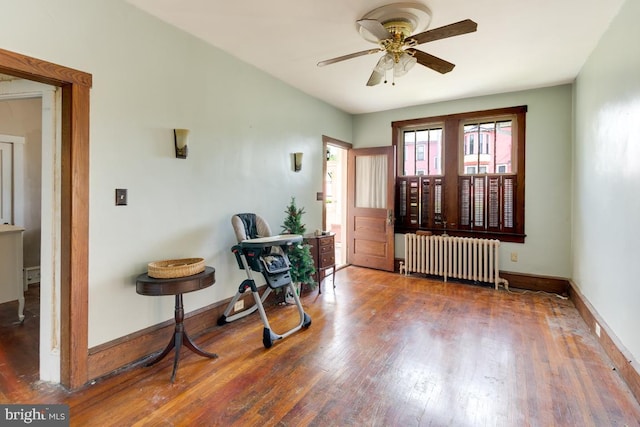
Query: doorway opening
x=334, y=215
x=32, y=110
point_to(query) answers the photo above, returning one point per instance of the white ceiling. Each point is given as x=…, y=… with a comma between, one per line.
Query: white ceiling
x=520, y=44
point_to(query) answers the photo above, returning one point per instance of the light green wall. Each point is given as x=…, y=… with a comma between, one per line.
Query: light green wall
x=606, y=194
x=149, y=78
x=546, y=250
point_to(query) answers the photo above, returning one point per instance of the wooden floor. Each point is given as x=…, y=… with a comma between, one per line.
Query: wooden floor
x=382, y=350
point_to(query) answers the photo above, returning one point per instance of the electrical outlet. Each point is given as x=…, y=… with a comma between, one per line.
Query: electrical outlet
x=597, y=329
x=514, y=256
x=238, y=305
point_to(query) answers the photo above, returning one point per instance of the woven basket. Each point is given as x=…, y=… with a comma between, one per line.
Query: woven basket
x=173, y=268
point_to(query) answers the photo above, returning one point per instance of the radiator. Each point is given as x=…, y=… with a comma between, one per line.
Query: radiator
x=453, y=257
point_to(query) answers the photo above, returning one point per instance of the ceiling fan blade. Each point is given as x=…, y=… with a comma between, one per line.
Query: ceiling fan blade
x=375, y=28
x=375, y=78
x=456, y=29
x=350, y=56
x=430, y=61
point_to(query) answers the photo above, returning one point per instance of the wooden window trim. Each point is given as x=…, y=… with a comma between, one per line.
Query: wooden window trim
x=452, y=150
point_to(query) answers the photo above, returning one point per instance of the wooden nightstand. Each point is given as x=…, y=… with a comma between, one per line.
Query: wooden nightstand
x=323, y=251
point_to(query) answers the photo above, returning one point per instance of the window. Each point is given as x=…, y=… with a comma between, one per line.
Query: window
x=495, y=145
x=422, y=146
x=471, y=174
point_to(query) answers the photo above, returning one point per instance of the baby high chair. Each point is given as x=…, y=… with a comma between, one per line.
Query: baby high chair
x=260, y=252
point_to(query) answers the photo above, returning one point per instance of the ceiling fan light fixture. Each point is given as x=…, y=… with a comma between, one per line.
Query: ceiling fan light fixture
x=385, y=63
x=404, y=64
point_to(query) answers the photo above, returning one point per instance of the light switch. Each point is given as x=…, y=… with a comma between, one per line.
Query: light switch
x=121, y=196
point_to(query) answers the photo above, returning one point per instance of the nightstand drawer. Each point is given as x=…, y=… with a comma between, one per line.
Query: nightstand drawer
x=327, y=260
x=326, y=249
x=325, y=242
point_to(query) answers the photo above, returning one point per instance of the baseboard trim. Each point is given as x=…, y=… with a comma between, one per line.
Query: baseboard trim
x=555, y=285
x=622, y=360
x=130, y=350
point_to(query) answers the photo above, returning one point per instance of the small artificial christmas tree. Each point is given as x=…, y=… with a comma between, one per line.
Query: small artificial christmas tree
x=302, y=268
x=293, y=222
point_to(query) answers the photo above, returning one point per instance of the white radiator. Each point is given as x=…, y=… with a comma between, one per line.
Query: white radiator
x=456, y=257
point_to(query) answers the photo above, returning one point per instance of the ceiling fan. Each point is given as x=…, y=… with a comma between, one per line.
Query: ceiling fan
x=392, y=28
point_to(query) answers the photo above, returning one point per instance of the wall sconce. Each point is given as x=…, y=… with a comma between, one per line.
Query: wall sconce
x=297, y=162
x=180, y=138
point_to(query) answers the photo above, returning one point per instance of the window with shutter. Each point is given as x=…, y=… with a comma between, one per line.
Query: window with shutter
x=419, y=202
x=463, y=173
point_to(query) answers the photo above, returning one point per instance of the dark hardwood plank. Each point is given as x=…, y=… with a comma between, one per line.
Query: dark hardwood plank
x=383, y=349
x=19, y=347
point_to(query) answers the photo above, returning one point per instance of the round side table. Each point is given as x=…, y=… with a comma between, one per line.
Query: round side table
x=151, y=286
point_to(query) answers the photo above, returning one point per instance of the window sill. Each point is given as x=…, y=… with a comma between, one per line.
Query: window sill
x=503, y=237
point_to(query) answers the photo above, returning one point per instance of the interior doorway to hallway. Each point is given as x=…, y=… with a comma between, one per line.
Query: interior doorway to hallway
x=334, y=215
x=33, y=110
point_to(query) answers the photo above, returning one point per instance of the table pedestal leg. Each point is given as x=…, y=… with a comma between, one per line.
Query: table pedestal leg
x=179, y=337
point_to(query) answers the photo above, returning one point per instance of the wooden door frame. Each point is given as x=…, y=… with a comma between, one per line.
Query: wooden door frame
x=74, y=256
x=326, y=141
